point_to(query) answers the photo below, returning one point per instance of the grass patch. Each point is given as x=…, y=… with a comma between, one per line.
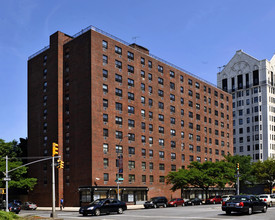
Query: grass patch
x=8, y=215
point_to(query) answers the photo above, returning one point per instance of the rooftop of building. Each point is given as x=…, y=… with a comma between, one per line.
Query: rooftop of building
x=133, y=45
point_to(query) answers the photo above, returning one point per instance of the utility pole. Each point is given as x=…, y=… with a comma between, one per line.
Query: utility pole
x=238, y=179
x=7, y=185
x=54, y=152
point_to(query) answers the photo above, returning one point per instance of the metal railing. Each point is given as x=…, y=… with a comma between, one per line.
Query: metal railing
x=38, y=52
x=127, y=44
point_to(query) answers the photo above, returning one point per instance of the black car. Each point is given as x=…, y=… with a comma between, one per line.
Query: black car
x=156, y=202
x=103, y=206
x=194, y=201
x=14, y=207
x=245, y=204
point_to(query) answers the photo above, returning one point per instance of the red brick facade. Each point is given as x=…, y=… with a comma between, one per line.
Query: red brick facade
x=185, y=111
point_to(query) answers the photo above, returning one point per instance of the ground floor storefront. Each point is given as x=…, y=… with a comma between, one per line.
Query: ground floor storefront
x=130, y=195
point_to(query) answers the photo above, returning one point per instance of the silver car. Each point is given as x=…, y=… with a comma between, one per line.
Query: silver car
x=226, y=197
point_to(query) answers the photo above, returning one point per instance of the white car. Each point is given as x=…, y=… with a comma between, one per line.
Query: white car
x=226, y=197
x=269, y=199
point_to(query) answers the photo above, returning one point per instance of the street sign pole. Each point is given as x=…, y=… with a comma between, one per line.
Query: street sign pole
x=7, y=186
x=238, y=182
x=53, y=190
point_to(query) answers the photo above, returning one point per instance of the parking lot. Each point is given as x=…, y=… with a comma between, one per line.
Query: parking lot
x=202, y=212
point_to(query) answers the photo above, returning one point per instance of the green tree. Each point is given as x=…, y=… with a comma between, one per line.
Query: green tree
x=246, y=177
x=265, y=172
x=179, y=180
x=202, y=175
x=18, y=177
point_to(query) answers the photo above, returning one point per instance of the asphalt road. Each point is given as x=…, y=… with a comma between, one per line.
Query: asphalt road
x=203, y=212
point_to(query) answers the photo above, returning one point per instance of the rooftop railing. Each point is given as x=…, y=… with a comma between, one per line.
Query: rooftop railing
x=127, y=44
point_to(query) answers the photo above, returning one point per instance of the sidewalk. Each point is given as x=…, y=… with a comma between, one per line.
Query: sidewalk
x=75, y=209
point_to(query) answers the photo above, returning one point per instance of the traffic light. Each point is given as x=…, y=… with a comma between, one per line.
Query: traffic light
x=55, y=149
x=60, y=164
x=238, y=166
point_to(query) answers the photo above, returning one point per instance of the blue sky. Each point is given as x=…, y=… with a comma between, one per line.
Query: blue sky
x=198, y=36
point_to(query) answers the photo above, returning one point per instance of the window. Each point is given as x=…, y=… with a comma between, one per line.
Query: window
x=161, y=154
x=131, y=96
x=173, y=132
x=161, y=117
x=142, y=60
x=172, y=85
x=131, y=109
x=142, y=74
x=105, y=103
x=118, y=106
x=190, y=93
x=143, y=139
x=130, y=55
x=131, y=164
x=105, y=162
x=160, y=69
x=181, y=89
x=118, y=92
x=105, y=117
x=161, y=142
x=105, y=59
x=142, y=99
x=161, y=166
x=150, y=89
x=118, y=78
x=105, y=73
x=190, y=82
x=173, y=156
x=143, y=125
x=106, y=177
x=150, y=64
x=130, y=69
x=119, y=149
x=150, y=129
x=131, y=137
x=105, y=132
x=172, y=120
x=151, y=115
x=142, y=87
x=118, y=50
x=118, y=64
x=143, y=177
x=105, y=44
x=131, y=82
x=160, y=81
x=197, y=85
x=143, y=152
x=151, y=153
x=172, y=74
x=182, y=101
x=131, y=150
x=105, y=88
x=181, y=78
x=119, y=135
x=131, y=178
x=172, y=109
x=173, y=144
x=172, y=97
x=160, y=93
x=161, y=130
x=105, y=148
x=131, y=123
x=150, y=77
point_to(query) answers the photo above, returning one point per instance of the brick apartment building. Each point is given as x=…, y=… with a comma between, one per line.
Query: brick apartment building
x=105, y=102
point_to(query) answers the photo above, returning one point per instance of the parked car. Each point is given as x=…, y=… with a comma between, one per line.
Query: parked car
x=29, y=206
x=175, y=202
x=17, y=202
x=194, y=201
x=14, y=207
x=226, y=197
x=156, y=202
x=245, y=204
x=213, y=200
x=103, y=206
x=269, y=199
